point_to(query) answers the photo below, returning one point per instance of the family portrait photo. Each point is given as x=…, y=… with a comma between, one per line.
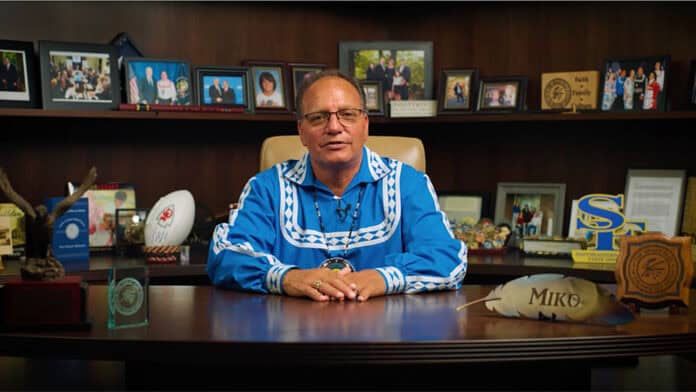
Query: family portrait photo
x=635, y=84
x=158, y=82
x=403, y=68
x=531, y=209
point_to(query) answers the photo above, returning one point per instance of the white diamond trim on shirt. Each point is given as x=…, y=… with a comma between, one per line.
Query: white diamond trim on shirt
x=367, y=236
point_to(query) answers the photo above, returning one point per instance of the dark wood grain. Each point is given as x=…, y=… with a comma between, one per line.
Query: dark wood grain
x=205, y=325
x=213, y=155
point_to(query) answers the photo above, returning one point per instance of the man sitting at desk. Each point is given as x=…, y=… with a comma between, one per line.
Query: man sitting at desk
x=374, y=221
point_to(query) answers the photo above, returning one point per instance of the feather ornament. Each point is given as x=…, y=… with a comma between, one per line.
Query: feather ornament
x=556, y=297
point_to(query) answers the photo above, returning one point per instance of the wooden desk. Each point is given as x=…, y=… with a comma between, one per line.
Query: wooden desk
x=481, y=270
x=201, y=327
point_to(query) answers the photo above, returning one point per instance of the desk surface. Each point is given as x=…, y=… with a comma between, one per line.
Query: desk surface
x=203, y=324
x=482, y=269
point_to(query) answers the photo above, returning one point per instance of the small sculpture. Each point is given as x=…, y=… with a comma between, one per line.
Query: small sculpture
x=39, y=264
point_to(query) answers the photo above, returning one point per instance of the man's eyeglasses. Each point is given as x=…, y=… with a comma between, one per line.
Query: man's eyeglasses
x=346, y=117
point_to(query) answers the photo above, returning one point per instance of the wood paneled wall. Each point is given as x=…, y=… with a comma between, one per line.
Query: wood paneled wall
x=215, y=158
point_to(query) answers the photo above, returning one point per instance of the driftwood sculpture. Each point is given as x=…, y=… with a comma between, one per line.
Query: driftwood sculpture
x=39, y=264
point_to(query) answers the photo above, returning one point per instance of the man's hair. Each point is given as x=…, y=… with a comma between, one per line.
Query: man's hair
x=120, y=195
x=267, y=76
x=308, y=82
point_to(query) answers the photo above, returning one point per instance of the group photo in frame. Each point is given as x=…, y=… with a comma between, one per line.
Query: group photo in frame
x=79, y=76
x=531, y=209
x=18, y=86
x=457, y=91
x=405, y=68
x=635, y=84
x=223, y=86
x=502, y=94
x=465, y=208
x=298, y=73
x=374, y=97
x=270, y=86
x=157, y=81
x=657, y=197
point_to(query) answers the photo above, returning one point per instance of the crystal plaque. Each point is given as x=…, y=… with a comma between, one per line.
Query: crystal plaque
x=128, y=296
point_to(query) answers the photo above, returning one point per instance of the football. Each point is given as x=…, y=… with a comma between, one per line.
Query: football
x=171, y=219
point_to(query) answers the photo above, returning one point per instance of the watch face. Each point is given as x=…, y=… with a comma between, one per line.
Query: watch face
x=336, y=263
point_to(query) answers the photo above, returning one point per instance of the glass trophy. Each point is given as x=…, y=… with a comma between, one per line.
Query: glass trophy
x=128, y=296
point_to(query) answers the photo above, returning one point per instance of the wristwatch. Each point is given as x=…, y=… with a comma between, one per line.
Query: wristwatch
x=337, y=263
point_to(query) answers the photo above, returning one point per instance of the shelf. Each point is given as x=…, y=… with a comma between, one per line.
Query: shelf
x=287, y=117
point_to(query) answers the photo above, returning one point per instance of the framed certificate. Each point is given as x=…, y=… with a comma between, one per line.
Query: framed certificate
x=656, y=196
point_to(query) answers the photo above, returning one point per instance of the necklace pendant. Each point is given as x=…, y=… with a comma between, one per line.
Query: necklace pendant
x=337, y=264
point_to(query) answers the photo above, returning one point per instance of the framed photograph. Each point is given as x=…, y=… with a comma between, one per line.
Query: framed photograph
x=656, y=196
x=129, y=229
x=502, y=94
x=457, y=87
x=104, y=200
x=692, y=84
x=270, y=86
x=531, y=209
x=374, y=97
x=79, y=76
x=635, y=84
x=465, y=208
x=18, y=86
x=158, y=81
x=223, y=86
x=298, y=73
x=405, y=68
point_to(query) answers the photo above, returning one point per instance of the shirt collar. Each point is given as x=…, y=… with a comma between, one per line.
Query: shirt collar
x=372, y=168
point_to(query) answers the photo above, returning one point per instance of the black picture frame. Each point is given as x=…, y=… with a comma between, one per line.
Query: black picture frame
x=123, y=224
x=504, y=94
x=611, y=101
x=374, y=97
x=453, y=101
x=691, y=99
x=18, y=84
x=355, y=57
x=65, y=84
x=139, y=91
x=238, y=80
x=297, y=72
x=275, y=72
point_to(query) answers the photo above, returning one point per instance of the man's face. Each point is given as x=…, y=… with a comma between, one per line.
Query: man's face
x=225, y=85
x=148, y=72
x=216, y=81
x=334, y=145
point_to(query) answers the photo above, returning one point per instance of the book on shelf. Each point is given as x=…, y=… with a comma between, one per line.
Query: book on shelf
x=143, y=107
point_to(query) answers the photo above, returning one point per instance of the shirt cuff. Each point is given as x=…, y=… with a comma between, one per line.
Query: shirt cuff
x=393, y=279
x=274, y=277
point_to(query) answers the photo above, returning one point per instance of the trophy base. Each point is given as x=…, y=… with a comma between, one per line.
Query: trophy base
x=40, y=305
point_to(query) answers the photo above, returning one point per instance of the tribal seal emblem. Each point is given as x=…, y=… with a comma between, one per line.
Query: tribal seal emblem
x=557, y=94
x=128, y=296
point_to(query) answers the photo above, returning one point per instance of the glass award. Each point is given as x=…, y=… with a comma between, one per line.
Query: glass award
x=128, y=296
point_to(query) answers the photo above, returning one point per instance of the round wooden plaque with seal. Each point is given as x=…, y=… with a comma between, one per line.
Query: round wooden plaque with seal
x=654, y=271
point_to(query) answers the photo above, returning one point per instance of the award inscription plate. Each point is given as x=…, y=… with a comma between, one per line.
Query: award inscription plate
x=563, y=90
x=654, y=271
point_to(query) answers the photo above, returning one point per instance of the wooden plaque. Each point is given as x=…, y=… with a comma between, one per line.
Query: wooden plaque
x=563, y=90
x=653, y=270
